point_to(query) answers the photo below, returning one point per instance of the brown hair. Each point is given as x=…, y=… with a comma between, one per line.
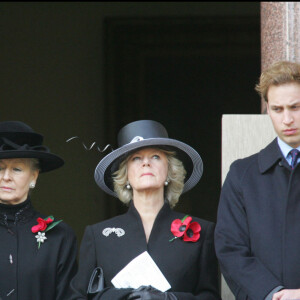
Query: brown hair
x=279, y=73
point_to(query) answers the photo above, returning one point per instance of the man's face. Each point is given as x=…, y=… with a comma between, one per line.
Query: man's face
x=284, y=110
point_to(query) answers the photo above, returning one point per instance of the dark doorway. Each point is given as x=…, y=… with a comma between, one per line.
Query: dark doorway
x=184, y=73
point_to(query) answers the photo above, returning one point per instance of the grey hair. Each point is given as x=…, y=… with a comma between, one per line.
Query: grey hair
x=176, y=176
x=34, y=164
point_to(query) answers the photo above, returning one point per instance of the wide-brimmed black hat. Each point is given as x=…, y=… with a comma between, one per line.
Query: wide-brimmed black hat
x=18, y=140
x=147, y=133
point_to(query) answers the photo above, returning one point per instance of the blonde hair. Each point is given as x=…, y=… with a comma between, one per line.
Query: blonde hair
x=279, y=73
x=176, y=176
x=33, y=163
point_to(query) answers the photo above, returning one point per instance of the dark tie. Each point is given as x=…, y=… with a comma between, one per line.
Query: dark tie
x=295, y=154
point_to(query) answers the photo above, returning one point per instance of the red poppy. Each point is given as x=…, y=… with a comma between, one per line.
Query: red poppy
x=190, y=232
x=42, y=224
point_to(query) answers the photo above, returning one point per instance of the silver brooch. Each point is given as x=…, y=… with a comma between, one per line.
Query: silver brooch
x=118, y=231
x=136, y=139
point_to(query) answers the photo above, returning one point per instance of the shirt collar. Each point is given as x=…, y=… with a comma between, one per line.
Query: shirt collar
x=285, y=148
x=17, y=213
x=163, y=211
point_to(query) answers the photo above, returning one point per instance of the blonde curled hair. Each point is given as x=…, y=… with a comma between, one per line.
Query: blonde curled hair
x=176, y=176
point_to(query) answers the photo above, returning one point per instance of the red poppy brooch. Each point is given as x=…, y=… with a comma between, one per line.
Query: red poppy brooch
x=185, y=229
x=42, y=227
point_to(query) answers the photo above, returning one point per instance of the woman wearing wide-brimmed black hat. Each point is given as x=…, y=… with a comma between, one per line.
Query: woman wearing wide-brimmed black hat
x=38, y=252
x=148, y=171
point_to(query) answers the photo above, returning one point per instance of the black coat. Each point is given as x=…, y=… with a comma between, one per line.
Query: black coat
x=258, y=226
x=190, y=267
x=29, y=273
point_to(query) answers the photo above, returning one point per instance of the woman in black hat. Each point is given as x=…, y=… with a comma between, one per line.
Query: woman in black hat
x=37, y=253
x=148, y=171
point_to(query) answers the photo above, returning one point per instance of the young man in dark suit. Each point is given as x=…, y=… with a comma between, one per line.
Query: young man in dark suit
x=257, y=235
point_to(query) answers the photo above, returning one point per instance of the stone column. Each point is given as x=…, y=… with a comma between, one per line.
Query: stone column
x=280, y=34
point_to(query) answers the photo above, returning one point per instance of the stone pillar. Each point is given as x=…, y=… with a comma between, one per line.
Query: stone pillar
x=280, y=34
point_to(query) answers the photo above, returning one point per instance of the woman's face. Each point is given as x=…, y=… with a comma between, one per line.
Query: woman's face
x=147, y=169
x=16, y=174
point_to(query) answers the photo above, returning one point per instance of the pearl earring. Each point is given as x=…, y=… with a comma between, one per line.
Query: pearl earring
x=128, y=186
x=32, y=185
x=166, y=183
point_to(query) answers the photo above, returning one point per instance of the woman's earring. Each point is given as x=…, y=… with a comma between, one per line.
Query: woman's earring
x=166, y=183
x=32, y=185
x=128, y=186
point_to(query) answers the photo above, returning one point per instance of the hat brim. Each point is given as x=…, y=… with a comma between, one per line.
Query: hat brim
x=189, y=157
x=48, y=161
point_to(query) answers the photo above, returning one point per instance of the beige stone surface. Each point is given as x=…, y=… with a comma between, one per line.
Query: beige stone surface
x=242, y=135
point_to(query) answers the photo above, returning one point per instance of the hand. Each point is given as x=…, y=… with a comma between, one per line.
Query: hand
x=150, y=293
x=287, y=294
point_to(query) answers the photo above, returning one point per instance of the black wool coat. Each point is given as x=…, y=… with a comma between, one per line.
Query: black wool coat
x=190, y=267
x=258, y=225
x=29, y=273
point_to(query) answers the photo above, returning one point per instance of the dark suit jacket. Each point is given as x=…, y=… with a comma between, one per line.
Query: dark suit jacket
x=29, y=273
x=258, y=226
x=190, y=267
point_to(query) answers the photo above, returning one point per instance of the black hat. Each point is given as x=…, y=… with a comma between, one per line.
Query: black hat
x=147, y=133
x=18, y=140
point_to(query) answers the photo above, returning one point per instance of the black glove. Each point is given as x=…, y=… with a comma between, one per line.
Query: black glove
x=150, y=293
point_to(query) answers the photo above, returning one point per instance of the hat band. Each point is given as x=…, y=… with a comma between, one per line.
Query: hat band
x=9, y=145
